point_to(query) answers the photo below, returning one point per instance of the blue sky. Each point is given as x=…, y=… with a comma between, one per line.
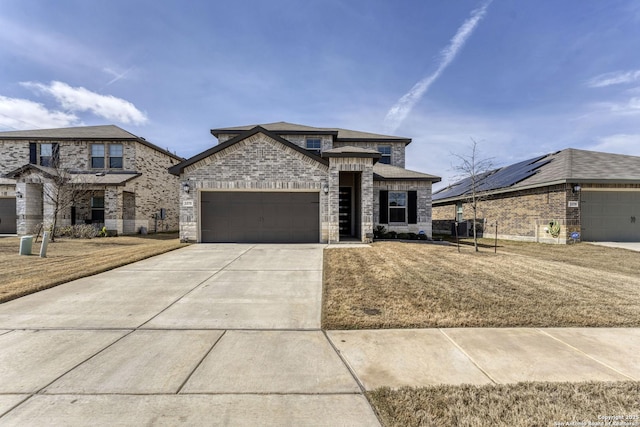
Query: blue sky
x=520, y=77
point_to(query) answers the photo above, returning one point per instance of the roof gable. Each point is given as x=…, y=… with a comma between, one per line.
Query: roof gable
x=179, y=168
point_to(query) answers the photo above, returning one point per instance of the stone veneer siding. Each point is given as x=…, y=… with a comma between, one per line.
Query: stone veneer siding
x=258, y=163
x=154, y=189
x=397, y=148
x=521, y=215
x=348, y=164
x=423, y=189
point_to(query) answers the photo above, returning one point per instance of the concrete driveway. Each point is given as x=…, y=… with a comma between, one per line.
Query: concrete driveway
x=206, y=335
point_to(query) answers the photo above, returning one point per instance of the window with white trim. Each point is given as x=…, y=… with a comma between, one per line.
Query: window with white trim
x=97, y=156
x=46, y=155
x=398, y=206
x=115, y=156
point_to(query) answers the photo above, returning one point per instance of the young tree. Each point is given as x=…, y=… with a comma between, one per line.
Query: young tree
x=474, y=169
x=61, y=190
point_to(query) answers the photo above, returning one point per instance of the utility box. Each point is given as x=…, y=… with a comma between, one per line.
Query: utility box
x=26, y=243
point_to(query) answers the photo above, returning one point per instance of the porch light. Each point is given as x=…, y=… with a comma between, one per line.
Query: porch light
x=186, y=187
x=576, y=188
x=325, y=188
x=19, y=194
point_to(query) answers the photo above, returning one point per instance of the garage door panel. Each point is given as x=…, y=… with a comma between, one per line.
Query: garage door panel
x=260, y=217
x=609, y=216
x=8, y=216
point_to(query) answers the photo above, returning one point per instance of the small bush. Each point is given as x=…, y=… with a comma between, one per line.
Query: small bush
x=78, y=231
x=392, y=235
x=403, y=236
x=379, y=232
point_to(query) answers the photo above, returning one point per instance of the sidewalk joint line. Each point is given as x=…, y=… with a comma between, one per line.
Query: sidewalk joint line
x=468, y=356
x=27, y=398
x=200, y=363
x=193, y=289
x=41, y=389
x=586, y=354
x=363, y=390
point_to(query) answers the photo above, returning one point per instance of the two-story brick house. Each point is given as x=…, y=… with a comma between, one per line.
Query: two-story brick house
x=282, y=182
x=124, y=178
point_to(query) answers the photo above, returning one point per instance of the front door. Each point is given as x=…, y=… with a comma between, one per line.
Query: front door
x=344, y=210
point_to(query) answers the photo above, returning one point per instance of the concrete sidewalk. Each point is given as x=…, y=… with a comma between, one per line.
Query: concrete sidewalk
x=421, y=357
x=230, y=335
x=205, y=335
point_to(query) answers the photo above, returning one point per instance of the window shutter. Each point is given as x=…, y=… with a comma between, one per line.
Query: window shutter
x=384, y=207
x=412, y=204
x=55, y=154
x=33, y=153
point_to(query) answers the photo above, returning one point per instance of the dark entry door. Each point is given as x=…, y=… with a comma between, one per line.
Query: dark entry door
x=344, y=210
x=261, y=217
x=8, y=216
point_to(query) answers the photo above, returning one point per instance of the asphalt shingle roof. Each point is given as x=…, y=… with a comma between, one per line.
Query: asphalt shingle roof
x=383, y=171
x=102, y=132
x=89, y=132
x=341, y=134
x=567, y=166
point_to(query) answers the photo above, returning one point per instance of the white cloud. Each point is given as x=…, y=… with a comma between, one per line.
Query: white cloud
x=16, y=113
x=396, y=115
x=619, y=143
x=79, y=99
x=626, y=108
x=614, y=78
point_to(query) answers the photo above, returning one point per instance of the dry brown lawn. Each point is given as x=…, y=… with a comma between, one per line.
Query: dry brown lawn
x=403, y=285
x=70, y=259
x=525, y=404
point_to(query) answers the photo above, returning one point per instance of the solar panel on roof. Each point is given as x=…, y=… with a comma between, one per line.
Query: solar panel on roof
x=493, y=180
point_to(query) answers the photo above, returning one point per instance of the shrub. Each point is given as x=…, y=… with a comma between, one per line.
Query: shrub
x=78, y=231
x=379, y=232
x=392, y=235
x=403, y=236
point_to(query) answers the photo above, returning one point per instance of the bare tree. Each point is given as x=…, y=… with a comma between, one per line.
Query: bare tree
x=474, y=170
x=62, y=189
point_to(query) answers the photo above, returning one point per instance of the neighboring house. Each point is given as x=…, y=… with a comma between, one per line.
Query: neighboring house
x=282, y=182
x=125, y=177
x=594, y=194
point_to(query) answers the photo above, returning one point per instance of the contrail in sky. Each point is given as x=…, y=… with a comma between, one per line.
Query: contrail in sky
x=396, y=115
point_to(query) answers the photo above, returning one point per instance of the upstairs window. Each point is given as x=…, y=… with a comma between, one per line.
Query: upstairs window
x=314, y=144
x=385, y=151
x=97, y=156
x=115, y=156
x=45, y=154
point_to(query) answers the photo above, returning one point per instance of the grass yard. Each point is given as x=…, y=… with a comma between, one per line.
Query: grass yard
x=70, y=259
x=524, y=404
x=413, y=285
